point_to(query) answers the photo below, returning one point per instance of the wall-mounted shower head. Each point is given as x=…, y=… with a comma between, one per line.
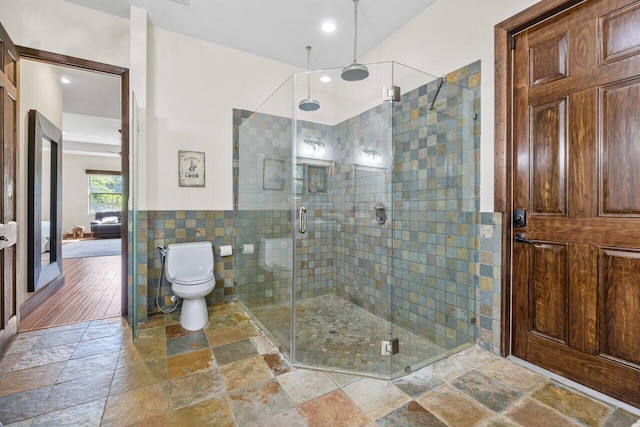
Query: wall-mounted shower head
x=309, y=104
x=354, y=71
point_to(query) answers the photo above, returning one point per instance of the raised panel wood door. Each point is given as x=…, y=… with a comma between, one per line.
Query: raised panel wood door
x=576, y=265
x=8, y=159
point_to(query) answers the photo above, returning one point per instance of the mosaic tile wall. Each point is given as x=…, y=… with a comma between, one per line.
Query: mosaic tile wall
x=143, y=270
x=141, y=254
x=436, y=182
x=362, y=245
x=315, y=249
x=489, y=292
x=264, y=161
x=166, y=227
x=256, y=282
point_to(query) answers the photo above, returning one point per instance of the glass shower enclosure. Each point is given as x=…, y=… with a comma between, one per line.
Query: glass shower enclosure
x=356, y=222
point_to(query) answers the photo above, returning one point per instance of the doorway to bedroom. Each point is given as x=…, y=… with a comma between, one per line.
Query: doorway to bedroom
x=87, y=106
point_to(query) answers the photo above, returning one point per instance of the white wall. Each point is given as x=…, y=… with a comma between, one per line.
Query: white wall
x=44, y=94
x=446, y=36
x=138, y=34
x=58, y=26
x=193, y=87
x=75, y=192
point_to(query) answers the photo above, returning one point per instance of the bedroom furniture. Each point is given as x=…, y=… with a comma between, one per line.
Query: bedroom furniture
x=107, y=225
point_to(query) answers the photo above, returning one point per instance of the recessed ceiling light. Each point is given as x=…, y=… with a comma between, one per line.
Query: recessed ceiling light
x=328, y=26
x=325, y=79
x=65, y=80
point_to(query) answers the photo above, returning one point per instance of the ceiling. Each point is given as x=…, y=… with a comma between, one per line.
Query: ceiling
x=92, y=94
x=91, y=112
x=276, y=29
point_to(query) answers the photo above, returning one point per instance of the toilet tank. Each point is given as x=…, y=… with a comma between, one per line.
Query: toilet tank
x=187, y=255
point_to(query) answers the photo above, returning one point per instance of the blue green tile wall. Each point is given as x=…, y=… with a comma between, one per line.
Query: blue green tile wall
x=436, y=200
x=489, y=292
x=257, y=282
x=167, y=227
x=362, y=246
x=141, y=262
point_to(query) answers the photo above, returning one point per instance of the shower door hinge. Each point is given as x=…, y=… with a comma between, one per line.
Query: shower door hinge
x=391, y=93
x=390, y=347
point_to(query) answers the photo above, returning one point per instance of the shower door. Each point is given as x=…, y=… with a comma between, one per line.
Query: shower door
x=342, y=182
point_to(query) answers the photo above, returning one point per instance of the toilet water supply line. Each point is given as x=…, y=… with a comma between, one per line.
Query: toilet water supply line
x=175, y=299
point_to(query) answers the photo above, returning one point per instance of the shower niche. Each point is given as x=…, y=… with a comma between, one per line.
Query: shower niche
x=389, y=249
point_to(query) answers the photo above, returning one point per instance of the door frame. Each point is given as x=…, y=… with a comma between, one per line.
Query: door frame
x=123, y=74
x=9, y=326
x=503, y=141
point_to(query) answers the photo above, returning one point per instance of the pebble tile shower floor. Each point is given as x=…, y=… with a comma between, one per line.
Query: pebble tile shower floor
x=229, y=374
x=333, y=333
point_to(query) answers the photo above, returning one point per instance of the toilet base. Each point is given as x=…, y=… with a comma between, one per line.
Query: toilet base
x=194, y=315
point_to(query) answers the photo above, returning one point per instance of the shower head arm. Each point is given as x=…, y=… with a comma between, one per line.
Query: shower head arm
x=308, y=72
x=355, y=31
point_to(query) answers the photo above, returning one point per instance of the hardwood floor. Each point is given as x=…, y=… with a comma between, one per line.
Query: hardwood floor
x=91, y=291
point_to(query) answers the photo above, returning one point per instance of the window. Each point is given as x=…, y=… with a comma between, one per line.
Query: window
x=105, y=191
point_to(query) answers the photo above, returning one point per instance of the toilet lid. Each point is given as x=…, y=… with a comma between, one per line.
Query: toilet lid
x=190, y=276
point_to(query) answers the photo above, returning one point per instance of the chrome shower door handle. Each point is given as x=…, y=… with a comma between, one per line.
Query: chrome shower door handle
x=302, y=220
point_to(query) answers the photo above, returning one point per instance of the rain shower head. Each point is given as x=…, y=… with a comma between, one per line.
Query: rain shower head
x=309, y=104
x=354, y=72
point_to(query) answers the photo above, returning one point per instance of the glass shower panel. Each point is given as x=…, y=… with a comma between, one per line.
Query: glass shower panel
x=263, y=187
x=133, y=219
x=342, y=173
x=436, y=203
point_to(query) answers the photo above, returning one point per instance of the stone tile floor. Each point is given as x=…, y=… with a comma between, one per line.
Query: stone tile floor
x=335, y=334
x=228, y=374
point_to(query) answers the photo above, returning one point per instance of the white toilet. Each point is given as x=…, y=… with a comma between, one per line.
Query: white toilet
x=189, y=268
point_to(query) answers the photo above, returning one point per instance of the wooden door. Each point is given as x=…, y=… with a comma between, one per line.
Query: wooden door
x=576, y=170
x=8, y=157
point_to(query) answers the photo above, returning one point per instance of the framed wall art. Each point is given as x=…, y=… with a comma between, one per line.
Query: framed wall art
x=273, y=174
x=190, y=168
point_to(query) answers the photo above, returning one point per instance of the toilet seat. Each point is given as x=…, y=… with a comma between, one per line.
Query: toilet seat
x=193, y=276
